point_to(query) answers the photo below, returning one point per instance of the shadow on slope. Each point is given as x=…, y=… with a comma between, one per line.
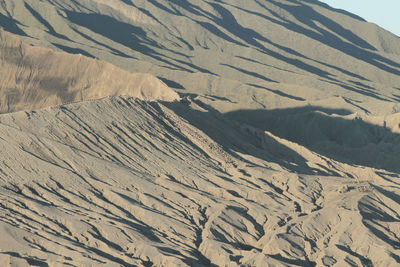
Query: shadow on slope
x=341, y=11
x=10, y=25
x=307, y=23
x=43, y=21
x=354, y=46
x=73, y=50
x=130, y=36
x=122, y=33
x=236, y=137
x=225, y=25
x=376, y=212
x=326, y=132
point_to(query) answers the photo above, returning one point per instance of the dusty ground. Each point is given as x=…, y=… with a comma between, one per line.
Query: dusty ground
x=262, y=133
x=124, y=182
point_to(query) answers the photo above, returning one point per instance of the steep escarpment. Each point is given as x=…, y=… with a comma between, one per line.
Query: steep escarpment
x=36, y=77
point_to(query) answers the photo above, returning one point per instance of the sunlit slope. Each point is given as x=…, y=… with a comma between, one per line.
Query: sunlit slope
x=282, y=149
x=123, y=182
x=35, y=77
x=258, y=53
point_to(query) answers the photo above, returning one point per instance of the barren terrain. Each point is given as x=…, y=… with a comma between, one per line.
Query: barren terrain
x=197, y=133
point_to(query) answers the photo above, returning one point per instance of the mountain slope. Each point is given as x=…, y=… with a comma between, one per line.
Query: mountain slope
x=123, y=182
x=282, y=53
x=271, y=138
x=35, y=77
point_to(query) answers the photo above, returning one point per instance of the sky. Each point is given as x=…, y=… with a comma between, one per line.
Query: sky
x=384, y=13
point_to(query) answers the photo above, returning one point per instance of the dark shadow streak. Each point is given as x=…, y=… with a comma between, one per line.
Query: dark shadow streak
x=171, y=83
x=229, y=135
x=295, y=262
x=356, y=47
x=351, y=102
x=113, y=50
x=73, y=50
x=365, y=262
x=341, y=11
x=266, y=65
x=33, y=261
x=372, y=215
x=290, y=50
x=125, y=34
x=11, y=25
x=227, y=21
x=347, y=141
x=278, y=92
x=250, y=73
x=45, y=23
x=249, y=36
x=363, y=91
x=396, y=97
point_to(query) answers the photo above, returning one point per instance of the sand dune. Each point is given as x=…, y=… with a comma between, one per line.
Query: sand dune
x=271, y=139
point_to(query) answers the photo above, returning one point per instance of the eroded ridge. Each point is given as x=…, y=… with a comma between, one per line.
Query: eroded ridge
x=34, y=77
x=119, y=181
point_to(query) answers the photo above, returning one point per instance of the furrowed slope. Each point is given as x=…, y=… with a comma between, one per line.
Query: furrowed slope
x=268, y=59
x=283, y=149
x=257, y=54
x=119, y=181
x=35, y=77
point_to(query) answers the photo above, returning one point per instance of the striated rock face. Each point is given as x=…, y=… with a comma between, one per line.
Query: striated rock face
x=36, y=77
